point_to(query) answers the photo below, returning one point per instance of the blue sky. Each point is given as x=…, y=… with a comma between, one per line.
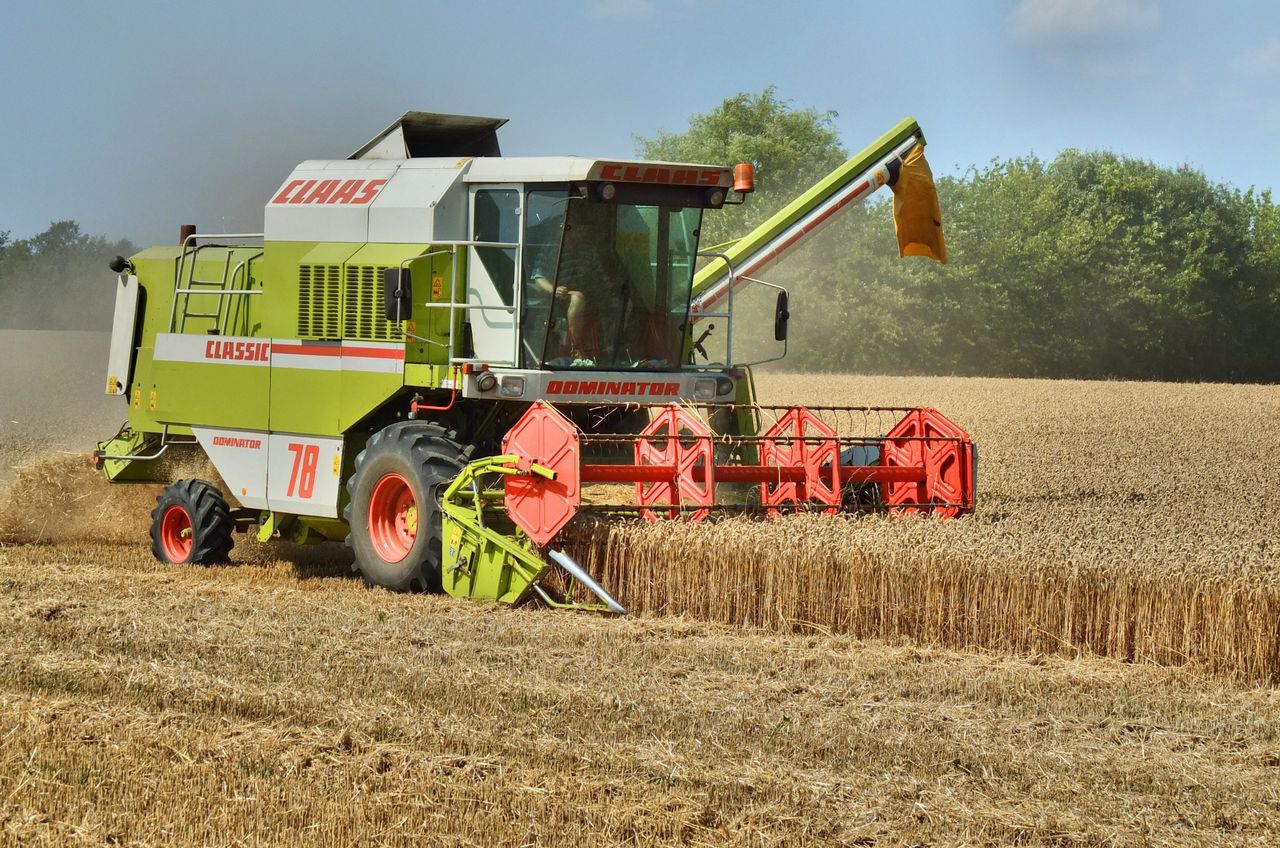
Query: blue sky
x=134, y=117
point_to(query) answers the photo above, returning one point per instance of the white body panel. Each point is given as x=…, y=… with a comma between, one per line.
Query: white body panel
x=302, y=474
x=560, y=169
x=301, y=209
x=531, y=169
x=493, y=331
x=420, y=200
x=283, y=472
x=120, y=356
x=224, y=350
x=424, y=201
x=241, y=458
x=376, y=357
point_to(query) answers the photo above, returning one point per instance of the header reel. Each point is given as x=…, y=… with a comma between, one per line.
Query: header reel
x=924, y=465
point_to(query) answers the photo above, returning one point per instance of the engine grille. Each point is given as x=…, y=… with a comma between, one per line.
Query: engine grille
x=319, y=291
x=362, y=306
x=333, y=306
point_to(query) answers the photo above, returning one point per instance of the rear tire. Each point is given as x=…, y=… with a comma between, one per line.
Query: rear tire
x=394, y=513
x=191, y=524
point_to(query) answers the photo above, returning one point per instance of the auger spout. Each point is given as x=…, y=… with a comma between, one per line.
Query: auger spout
x=842, y=189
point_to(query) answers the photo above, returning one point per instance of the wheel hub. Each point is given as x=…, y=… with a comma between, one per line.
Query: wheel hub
x=176, y=534
x=393, y=518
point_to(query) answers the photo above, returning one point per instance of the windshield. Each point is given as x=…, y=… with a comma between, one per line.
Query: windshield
x=606, y=284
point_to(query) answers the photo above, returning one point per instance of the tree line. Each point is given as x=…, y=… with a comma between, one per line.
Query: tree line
x=58, y=279
x=1089, y=265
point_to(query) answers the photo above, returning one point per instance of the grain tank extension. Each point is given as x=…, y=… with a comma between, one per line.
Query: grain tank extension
x=443, y=355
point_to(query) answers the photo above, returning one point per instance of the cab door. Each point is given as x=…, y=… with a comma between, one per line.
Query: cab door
x=493, y=266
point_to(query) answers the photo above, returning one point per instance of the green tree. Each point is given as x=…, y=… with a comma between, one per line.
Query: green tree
x=1091, y=265
x=789, y=147
x=57, y=279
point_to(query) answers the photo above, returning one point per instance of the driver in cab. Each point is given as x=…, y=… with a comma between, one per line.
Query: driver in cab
x=589, y=287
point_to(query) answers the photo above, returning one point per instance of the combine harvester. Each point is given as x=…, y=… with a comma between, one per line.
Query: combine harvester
x=443, y=355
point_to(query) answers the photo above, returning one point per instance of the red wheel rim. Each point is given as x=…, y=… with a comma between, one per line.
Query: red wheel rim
x=175, y=534
x=393, y=518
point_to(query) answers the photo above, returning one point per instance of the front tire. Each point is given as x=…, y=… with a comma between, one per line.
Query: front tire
x=394, y=513
x=191, y=524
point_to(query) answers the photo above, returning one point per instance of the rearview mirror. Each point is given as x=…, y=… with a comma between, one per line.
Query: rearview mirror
x=397, y=294
x=780, y=317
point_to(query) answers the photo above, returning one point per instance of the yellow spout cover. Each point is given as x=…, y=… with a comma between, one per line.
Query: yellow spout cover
x=917, y=217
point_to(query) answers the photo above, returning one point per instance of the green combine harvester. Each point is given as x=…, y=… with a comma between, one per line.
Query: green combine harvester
x=443, y=355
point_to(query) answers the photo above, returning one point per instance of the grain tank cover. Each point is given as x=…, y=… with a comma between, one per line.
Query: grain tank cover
x=426, y=134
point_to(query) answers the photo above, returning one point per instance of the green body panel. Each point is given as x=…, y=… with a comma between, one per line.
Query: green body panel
x=141, y=407
x=432, y=274
x=300, y=529
x=798, y=208
x=211, y=395
x=184, y=393
x=305, y=401
x=283, y=399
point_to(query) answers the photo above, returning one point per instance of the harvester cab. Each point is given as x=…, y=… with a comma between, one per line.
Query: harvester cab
x=444, y=355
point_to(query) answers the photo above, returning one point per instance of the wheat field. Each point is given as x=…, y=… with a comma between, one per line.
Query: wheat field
x=1138, y=521
x=1026, y=676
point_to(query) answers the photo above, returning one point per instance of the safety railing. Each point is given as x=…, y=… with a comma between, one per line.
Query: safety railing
x=457, y=308
x=727, y=314
x=220, y=289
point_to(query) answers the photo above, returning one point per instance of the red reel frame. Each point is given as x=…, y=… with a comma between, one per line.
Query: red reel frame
x=679, y=440
x=539, y=506
x=927, y=465
x=925, y=438
x=789, y=444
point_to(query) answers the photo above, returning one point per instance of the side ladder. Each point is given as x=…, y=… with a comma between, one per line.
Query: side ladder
x=220, y=289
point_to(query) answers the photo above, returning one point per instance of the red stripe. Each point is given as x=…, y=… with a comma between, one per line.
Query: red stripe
x=374, y=352
x=307, y=350
x=337, y=350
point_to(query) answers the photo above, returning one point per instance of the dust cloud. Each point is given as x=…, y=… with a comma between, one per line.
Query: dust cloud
x=53, y=408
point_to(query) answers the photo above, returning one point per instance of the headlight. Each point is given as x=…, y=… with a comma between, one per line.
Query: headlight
x=724, y=386
x=704, y=388
x=512, y=387
x=486, y=381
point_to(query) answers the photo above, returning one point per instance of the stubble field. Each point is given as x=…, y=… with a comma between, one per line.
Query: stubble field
x=785, y=683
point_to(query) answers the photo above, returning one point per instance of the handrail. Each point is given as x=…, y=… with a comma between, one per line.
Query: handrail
x=189, y=245
x=450, y=248
x=728, y=313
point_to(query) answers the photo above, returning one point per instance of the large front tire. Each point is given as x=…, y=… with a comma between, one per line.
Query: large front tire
x=394, y=513
x=191, y=524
